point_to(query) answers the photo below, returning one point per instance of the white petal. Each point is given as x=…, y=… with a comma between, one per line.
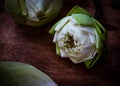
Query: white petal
x=82, y=58
x=73, y=21
x=63, y=54
x=76, y=60
x=84, y=38
x=93, y=53
x=87, y=52
x=86, y=29
x=31, y=9
x=35, y=5
x=88, y=48
x=55, y=37
x=92, y=38
x=62, y=23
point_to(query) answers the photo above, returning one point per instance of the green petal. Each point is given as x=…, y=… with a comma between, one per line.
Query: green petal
x=20, y=74
x=83, y=19
x=77, y=9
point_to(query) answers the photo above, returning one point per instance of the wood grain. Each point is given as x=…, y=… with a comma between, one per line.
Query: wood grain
x=34, y=46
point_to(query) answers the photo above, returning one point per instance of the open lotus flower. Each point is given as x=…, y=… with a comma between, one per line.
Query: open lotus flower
x=79, y=37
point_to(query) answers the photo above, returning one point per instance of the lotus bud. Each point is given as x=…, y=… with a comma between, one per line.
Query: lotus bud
x=33, y=12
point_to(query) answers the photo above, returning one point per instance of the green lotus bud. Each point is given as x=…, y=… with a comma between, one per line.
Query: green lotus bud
x=21, y=74
x=79, y=37
x=33, y=12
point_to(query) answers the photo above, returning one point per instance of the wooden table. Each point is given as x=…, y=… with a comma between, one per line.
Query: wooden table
x=34, y=46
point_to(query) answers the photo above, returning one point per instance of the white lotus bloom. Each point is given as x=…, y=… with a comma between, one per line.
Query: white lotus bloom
x=76, y=42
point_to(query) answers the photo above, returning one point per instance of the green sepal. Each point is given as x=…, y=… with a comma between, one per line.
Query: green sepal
x=23, y=7
x=91, y=62
x=13, y=10
x=98, y=39
x=52, y=30
x=76, y=10
x=101, y=30
x=57, y=49
x=100, y=25
x=102, y=35
x=100, y=44
x=83, y=20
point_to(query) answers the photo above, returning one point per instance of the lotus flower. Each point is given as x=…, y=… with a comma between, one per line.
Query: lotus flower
x=79, y=37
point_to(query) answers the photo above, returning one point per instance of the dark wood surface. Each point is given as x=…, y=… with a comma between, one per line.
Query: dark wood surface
x=34, y=46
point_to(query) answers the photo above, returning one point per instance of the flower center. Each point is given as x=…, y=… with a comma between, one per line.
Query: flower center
x=69, y=42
